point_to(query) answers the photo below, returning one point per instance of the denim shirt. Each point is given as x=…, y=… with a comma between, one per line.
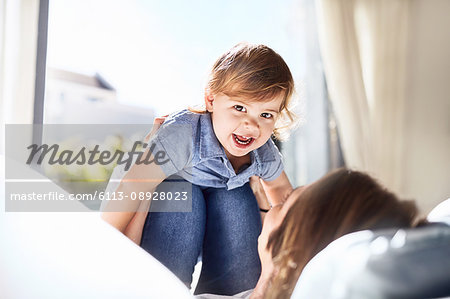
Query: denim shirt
x=194, y=153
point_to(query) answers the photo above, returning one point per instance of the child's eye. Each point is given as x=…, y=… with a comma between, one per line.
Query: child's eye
x=240, y=108
x=266, y=115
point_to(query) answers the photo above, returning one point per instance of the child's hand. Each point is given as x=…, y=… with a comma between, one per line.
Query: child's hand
x=157, y=122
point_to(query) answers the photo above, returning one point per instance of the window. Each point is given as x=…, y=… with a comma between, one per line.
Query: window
x=140, y=59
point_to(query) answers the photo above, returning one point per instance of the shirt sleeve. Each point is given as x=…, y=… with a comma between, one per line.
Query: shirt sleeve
x=273, y=166
x=173, y=144
x=171, y=148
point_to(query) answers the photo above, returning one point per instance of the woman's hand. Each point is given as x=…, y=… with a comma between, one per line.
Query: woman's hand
x=271, y=222
x=260, y=194
x=136, y=225
x=157, y=122
x=133, y=225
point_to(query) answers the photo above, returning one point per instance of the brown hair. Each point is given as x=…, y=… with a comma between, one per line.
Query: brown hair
x=256, y=73
x=342, y=202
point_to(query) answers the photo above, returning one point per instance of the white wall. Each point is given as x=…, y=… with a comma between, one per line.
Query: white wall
x=428, y=109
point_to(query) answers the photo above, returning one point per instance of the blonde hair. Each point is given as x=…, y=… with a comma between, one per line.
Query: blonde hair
x=256, y=73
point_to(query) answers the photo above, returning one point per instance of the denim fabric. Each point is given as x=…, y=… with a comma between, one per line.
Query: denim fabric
x=223, y=228
x=189, y=141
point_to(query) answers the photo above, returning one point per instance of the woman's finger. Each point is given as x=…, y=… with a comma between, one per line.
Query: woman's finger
x=157, y=122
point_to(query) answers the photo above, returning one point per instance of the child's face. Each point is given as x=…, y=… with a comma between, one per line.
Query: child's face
x=241, y=125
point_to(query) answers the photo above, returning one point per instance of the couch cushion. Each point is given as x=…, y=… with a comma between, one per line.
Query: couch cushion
x=412, y=263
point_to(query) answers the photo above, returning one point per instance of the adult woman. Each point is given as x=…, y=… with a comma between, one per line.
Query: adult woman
x=342, y=202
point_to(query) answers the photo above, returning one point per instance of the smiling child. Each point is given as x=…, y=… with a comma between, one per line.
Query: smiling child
x=217, y=150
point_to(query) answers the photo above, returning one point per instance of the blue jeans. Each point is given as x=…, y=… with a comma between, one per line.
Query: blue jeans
x=223, y=229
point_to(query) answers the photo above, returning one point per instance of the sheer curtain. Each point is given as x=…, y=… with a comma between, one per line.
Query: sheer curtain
x=364, y=46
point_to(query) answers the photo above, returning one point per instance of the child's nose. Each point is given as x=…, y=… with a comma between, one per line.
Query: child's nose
x=252, y=126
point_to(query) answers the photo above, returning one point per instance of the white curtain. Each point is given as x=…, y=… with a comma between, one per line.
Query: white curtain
x=364, y=47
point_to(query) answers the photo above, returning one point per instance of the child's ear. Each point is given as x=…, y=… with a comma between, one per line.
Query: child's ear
x=209, y=99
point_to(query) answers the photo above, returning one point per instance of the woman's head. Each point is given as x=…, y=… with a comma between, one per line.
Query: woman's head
x=342, y=202
x=254, y=73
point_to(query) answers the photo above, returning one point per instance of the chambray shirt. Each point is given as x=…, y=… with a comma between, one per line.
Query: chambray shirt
x=194, y=153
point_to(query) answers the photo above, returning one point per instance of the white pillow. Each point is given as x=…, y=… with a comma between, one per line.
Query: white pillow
x=441, y=213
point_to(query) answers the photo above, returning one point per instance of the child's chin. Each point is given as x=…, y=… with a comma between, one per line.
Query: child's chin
x=239, y=153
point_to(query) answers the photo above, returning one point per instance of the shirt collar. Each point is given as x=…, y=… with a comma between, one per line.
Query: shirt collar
x=210, y=146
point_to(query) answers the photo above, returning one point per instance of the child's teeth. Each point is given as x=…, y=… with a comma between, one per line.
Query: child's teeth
x=245, y=141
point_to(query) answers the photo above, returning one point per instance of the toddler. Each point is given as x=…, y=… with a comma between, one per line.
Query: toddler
x=217, y=150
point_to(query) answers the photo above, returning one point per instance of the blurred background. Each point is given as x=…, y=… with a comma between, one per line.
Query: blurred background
x=372, y=77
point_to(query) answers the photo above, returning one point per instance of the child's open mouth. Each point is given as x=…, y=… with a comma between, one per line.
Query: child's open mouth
x=242, y=141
